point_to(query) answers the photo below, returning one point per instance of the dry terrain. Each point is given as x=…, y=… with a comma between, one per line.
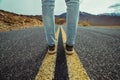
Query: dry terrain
x=11, y=21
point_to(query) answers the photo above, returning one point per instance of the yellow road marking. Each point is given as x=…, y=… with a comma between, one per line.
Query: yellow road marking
x=46, y=71
x=76, y=70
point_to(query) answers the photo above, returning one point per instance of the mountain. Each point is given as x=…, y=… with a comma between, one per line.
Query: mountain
x=97, y=20
x=111, y=14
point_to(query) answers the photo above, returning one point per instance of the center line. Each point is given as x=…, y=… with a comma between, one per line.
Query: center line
x=76, y=70
x=46, y=71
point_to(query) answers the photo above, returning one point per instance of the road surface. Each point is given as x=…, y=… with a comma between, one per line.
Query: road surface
x=22, y=53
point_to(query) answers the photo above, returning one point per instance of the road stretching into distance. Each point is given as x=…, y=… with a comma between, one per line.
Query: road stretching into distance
x=23, y=55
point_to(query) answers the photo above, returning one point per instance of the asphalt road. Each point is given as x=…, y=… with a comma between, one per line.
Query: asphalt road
x=22, y=52
x=99, y=51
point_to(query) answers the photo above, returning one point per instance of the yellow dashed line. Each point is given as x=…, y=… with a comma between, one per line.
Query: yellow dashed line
x=46, y=71
x=76, y=70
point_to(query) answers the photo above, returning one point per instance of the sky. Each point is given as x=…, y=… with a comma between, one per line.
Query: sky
x=33, y=7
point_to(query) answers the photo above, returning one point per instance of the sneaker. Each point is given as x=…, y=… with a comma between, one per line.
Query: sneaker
x=69, y=49
x=51, y=49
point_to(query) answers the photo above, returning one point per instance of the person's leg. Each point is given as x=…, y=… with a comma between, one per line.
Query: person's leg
x=48, y=20
x=72, y=20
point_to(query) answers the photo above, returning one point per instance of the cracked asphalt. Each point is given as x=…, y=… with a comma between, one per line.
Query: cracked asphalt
x=22, y=52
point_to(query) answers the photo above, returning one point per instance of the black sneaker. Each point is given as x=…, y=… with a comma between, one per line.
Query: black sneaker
x=69, y=49
x=51, y=49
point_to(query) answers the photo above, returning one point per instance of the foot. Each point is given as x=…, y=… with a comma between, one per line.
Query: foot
x=51, y=49
x=69, y=49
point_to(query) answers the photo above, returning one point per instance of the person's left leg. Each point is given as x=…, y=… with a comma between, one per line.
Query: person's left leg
x=49, y=23
x=72, y=23
x=72, y=20
x=48, y=20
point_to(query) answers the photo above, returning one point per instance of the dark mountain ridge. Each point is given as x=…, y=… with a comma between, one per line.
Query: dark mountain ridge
x=101, y=20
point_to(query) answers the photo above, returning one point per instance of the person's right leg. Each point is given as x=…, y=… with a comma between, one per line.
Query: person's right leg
x=49, y=23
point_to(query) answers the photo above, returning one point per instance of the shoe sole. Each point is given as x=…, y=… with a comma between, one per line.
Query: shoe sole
x=52, y=52
x=69, y=52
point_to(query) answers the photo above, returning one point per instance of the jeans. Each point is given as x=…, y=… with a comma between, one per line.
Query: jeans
x=49, y=20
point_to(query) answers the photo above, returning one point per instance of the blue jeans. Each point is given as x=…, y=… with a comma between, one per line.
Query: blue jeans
x=49, y=20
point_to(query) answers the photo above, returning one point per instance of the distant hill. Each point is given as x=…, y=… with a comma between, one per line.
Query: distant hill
x=97, y=20
x=111, y=14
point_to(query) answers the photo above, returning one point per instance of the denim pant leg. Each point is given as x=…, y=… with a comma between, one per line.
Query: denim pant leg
x=72, y=20
x=48, y=20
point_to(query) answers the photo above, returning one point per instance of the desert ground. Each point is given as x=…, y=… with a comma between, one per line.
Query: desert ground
x=11, y=21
